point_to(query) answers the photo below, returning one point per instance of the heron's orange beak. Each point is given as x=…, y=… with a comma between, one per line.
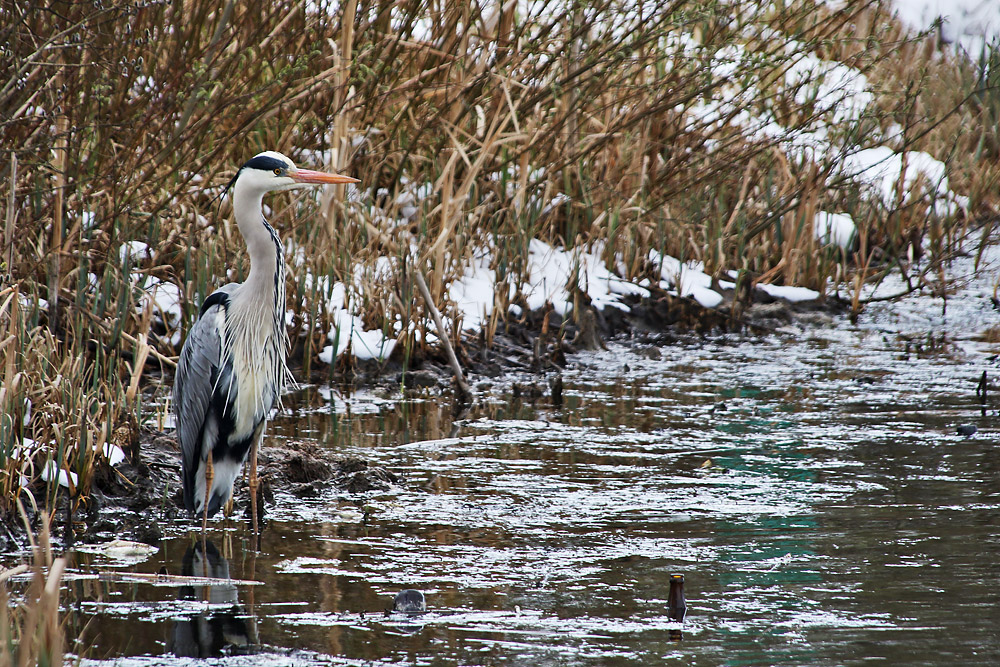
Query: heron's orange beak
x=309, y=176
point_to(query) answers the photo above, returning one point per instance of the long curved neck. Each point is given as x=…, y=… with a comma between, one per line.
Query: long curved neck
x=260, y=304
x=258, y=336
x=262, y=241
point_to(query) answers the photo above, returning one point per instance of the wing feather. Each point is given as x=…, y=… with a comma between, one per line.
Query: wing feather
x=194, y=384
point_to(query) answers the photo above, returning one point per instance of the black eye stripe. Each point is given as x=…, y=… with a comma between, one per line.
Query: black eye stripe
x=265, y=163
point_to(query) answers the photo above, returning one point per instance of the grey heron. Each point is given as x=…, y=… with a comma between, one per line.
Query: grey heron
x=232, y=367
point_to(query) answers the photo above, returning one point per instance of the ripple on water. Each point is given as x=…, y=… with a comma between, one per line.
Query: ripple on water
x=809, y=485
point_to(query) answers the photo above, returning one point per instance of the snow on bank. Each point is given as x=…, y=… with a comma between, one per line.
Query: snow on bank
x=52, y=472
x=554, y=276
x=551, y=273
x=880, y=169
x=686, y=279
x=552, y=270
x=969, y=24
x=835, y=229
x=474, y=293
x=165, y=300
x=344, y=308
x=789, y=292
x=835, y=98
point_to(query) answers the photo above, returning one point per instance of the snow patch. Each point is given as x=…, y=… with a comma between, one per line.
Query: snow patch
x=474, y=293
x=834, y=229
x=686, y=279
x=51, y=472
x=113, y=453
x=969, y=24
x=134, y=251
x=551, y=270
x=347, y=329
x=788, y=293
x=880, y=170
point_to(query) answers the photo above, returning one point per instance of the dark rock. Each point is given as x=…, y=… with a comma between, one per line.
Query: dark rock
x=148, y=533
x=589, y=335
x=491, y=369
x=421, y=379
x=967, y=430
x=651, y=353
x=352, y=465
x=770, y=315
x=410, y=601
x=301, y=468
x=556, y=384
x=663, y=310
x=308, y=490
x=372, y=479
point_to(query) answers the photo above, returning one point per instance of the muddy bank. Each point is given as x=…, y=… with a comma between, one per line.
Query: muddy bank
x=137, y=498
x=539, y=341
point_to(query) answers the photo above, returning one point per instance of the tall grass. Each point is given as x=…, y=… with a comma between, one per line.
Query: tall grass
x=567, y=121
x=30, y=631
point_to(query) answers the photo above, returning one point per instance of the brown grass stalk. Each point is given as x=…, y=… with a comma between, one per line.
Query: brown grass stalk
x=32, y=627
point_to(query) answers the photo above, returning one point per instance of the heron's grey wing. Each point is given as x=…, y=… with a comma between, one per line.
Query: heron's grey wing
x=193, y=388
x=194, y=385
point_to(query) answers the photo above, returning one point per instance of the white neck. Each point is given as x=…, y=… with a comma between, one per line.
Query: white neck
x=247, y=206
x=257, y=337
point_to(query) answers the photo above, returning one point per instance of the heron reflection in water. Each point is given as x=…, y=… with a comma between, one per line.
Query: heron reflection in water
x=218, y=631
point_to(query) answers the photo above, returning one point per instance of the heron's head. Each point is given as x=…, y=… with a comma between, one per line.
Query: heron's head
x=271, y=171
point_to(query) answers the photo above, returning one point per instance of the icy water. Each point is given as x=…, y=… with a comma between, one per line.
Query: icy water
x=810, y=486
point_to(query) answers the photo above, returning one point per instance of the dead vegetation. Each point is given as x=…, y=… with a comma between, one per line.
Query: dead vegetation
x=30, y=630
x=470, y=125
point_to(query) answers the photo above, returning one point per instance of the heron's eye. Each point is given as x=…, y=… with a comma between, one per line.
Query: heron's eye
x=277, y=171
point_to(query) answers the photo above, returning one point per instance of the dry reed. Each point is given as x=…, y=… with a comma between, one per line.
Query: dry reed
x=30, y=631
x=470, y=125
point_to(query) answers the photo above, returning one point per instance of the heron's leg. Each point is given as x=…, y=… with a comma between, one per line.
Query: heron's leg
x=252, y=483
x=209, y=476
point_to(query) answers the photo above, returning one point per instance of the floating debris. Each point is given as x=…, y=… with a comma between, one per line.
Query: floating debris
x=127, y=550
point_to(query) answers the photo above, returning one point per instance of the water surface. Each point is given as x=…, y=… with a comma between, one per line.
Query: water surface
x=809, y=484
